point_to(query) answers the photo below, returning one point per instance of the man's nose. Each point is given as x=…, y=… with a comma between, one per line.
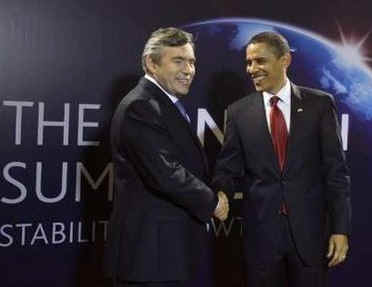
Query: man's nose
x=252, y=67
x=188, y=68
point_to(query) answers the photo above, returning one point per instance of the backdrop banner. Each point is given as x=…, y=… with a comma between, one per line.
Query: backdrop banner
x=65, y=65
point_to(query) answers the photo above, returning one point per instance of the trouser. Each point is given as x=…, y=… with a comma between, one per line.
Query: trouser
x=286, y=268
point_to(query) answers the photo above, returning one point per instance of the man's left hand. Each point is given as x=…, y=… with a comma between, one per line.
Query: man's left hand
x=337, y=249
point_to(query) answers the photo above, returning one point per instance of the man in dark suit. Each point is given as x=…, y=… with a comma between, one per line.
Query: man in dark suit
x=162, y=199
x=283, y=150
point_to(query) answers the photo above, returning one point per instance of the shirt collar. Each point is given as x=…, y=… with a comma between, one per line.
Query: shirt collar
x=284, y=94
x=171, y=97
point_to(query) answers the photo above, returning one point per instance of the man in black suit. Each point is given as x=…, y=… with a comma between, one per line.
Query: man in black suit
x=162, y=199
x=283, y=150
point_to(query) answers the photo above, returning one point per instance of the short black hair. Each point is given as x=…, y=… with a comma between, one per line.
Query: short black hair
x=276, y=41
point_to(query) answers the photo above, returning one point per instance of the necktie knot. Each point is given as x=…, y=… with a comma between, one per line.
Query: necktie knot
x=274, y=101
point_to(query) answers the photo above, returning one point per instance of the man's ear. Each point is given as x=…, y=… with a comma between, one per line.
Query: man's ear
x=150, y=64
x=287, y=60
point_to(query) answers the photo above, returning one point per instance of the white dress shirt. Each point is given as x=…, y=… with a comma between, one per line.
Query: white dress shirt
x=284, y=104
x=151, y=79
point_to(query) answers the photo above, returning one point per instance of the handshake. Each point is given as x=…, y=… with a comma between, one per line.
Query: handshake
x=222, y=209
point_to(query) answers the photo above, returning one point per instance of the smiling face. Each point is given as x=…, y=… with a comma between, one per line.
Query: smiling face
x=266, y=68
x=175, y=69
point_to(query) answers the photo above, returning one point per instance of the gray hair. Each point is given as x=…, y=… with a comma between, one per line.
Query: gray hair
x=275, y=41
x=164, y=37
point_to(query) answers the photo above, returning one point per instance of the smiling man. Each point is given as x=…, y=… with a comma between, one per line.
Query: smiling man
x=283, y=150
x=162, y=198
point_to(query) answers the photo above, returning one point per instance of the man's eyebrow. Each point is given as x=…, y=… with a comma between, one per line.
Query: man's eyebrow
x=183, y=58
x=178, y=57
x=255, y=58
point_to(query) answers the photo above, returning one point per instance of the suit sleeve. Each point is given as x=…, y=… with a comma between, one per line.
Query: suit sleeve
x=336, y=171
x=156, y=158
x=229, y=170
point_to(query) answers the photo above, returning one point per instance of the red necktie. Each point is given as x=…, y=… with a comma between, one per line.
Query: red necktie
x=279, y=133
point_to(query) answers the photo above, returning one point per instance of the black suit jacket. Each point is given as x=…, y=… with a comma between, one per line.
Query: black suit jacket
x=161, y=197
x=315, y=183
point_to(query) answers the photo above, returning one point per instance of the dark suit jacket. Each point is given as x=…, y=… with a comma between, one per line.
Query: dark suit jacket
x=314, y=183
x=161, y=197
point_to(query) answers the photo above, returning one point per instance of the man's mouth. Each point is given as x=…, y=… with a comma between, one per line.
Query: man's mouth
x=259, y=77
x=185, y=82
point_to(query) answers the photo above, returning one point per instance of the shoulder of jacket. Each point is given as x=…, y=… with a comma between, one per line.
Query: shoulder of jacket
x=243, y=102
x=306, y=91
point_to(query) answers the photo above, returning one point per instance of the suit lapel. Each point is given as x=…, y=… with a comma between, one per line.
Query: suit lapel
x=255, y=116
x=201, y=150
x=296, y=116
x=176, y=119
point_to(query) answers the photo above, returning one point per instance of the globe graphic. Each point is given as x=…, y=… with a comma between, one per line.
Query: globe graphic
x=317, y=63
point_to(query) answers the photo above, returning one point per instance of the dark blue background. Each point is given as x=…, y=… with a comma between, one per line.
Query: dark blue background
x=88, y=52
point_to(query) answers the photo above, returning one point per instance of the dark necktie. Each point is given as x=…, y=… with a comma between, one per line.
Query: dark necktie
x=182, y=110
x=279, y=133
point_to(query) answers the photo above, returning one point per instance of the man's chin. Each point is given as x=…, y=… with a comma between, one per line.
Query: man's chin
x=258, y=88
x=182, y=92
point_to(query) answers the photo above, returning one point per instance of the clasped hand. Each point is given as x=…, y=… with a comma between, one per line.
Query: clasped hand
x=337, y=249
x=222, y=209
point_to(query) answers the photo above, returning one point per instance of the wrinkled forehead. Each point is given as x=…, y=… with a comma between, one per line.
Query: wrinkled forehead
x=185, y=52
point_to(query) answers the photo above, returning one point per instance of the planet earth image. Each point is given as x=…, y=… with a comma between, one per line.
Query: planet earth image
x=317, y=62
